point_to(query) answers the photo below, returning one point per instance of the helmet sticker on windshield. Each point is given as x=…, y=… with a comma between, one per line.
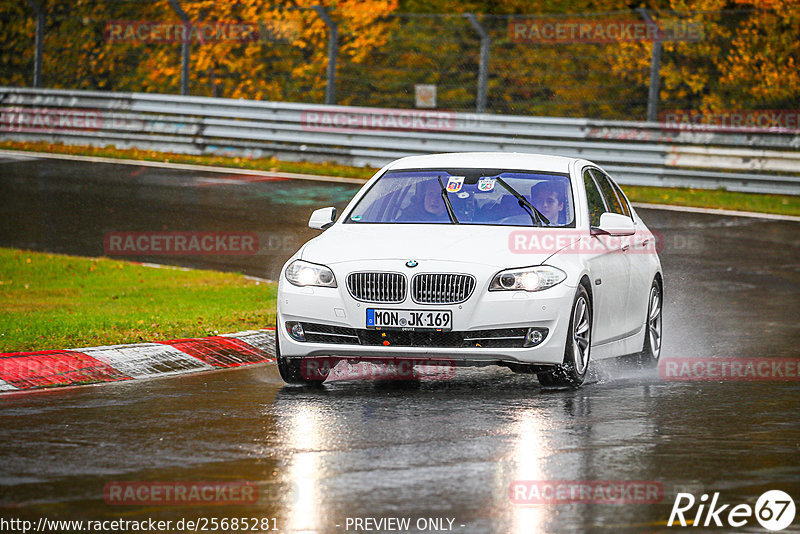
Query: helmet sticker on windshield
x=454, y=184
x=356, y=217
x=486, y=184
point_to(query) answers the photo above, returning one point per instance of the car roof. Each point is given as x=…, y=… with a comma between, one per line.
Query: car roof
x=485, y=160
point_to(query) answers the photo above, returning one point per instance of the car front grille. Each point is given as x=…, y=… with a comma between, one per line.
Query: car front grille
x=377, y=287
x=441, y=288
x=494, y=338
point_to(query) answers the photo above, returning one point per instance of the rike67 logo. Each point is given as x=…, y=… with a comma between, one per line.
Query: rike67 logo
x=774, y=510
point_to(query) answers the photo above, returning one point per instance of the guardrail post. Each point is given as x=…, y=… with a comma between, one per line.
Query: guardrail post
x=37, y=58
x=185, y=45
x=655, y=70
x=483, y=66
x=333, y=51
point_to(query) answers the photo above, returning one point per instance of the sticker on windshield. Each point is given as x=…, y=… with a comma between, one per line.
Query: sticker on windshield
x=356, y=217
x=454, y=184
x=486, y=184
x=463, y=194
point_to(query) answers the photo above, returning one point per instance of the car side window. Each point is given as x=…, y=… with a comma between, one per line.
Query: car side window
x=613, y=203
x=595, y=200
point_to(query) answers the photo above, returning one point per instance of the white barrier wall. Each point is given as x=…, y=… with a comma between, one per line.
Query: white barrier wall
x=636, y=153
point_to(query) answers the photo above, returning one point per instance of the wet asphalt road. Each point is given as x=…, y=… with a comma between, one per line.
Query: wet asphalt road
x=437, y=449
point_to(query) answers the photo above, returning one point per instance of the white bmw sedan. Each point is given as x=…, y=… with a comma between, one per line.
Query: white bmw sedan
x=536, y=263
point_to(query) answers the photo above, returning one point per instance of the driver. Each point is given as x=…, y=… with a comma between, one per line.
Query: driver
x=427, y=204
x=548, y=199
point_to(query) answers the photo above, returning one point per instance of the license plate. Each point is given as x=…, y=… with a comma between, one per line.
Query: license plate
x=410, y=319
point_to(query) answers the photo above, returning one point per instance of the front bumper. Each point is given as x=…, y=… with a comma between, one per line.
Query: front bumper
x=483, y=311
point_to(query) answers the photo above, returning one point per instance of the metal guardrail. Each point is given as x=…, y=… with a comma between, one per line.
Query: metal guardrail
x=636, y=153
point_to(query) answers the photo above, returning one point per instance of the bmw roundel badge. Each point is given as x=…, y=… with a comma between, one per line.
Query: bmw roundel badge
x=411, y=263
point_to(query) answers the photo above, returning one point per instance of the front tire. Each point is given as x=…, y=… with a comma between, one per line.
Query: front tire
x=651, y=352
x=572, y=372
x=292, y=370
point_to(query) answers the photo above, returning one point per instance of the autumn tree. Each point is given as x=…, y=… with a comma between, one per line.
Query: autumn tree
x=746, y=59
x=287, y=62
x=747, y=56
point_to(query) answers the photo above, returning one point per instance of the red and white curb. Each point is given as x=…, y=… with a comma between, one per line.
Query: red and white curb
x=20, y=371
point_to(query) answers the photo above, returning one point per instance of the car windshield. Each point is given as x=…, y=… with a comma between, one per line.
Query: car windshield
x=477, y=196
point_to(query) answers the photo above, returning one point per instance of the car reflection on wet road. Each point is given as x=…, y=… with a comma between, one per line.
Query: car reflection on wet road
x=437, y=449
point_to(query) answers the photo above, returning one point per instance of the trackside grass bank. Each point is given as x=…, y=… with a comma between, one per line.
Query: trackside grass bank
x=51, y=301
x=701, y=198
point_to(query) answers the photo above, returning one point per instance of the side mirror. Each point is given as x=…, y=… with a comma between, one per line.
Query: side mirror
x=614, y=224
x=322, y=218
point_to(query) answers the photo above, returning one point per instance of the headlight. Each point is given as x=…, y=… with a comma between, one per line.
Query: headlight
x=527, y=279
x=302, y=273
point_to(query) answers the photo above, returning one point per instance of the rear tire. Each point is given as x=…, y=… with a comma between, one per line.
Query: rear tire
x=572, y=372
x=292, y=371
x=651, y=352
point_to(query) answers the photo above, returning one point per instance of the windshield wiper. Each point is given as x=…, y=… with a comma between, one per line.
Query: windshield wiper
x=450, y=212
x=536, y=216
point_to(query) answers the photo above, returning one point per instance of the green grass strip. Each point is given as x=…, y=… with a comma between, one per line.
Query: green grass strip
x=52, y=301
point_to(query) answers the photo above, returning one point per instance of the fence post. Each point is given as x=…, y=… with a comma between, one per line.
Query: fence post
x=333, y=51
x=37, y=58
x=185, y=45
x=655, y=69
x=483, y=65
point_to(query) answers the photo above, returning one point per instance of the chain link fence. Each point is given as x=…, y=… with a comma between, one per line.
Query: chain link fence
x=628, y=65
